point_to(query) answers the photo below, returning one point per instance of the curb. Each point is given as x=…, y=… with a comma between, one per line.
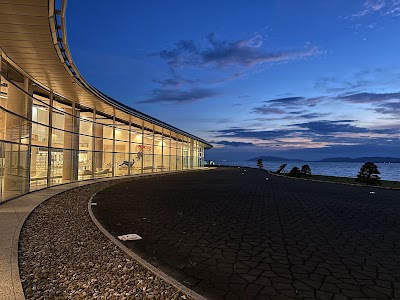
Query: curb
x=343, y=183
x=168, y=279
x=17, y=289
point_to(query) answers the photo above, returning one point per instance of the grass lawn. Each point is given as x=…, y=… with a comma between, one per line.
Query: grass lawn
x=384, y=183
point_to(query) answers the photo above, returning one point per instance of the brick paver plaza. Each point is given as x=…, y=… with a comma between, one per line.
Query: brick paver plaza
x=229, y=235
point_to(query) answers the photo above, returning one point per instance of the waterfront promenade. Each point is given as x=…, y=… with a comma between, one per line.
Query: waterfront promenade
x=230, y=234
x=225, y=233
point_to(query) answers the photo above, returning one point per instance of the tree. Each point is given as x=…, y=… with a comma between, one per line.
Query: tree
x=295, y=172
x=260, y=163
x=306, y=170
x=368, y=174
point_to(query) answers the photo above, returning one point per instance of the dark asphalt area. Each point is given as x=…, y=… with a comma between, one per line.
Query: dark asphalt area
x=229, y=235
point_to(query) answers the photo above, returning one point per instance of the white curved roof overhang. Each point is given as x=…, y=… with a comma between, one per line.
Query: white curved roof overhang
x=33, y=37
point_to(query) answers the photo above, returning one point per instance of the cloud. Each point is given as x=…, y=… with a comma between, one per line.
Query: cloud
x=179, y=96
x=287, y=100
x=324, y=130
x=329, y=127
x=215, y=62
x=369, y=97
x=295, y=101
x=390, y=108
x=380, y=8
x=268, y=110
x=383, y=103
x=176, y=81
x=220, y=54
x=280, y=106
x=252, y=133
x=334, y=85
x=313, y=115
x=232, y=144
x=371, y=6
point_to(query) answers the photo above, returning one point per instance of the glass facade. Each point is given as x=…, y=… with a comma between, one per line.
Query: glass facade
x=46, y=140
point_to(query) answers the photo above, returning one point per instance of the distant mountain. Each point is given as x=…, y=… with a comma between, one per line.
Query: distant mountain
x=374, y=159
x=337, y=159
x=272, y=158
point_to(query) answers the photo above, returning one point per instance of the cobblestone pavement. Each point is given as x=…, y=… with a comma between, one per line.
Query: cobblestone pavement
x=232, y=234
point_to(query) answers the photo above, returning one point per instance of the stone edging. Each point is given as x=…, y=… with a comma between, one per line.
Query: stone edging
x=28, y=205
x=140, y=260
x=345, y=183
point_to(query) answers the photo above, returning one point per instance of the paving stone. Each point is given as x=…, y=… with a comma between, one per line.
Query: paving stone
x=373, y=294
x=322, y=295
x=219, y=228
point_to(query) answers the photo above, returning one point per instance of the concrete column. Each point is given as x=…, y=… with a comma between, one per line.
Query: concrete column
x=16, y=175
x=98, y=146
x=71, y=141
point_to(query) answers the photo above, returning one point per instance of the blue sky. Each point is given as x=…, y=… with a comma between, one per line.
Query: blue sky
x=305, y=79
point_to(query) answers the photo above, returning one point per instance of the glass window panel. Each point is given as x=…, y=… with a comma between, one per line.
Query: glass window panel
x=147, y=163
x=98, y=130
x=136, y=137
x=158, y=163
x=179, y=161
x=2, y=124
x=121, y=134
x=121, y=146
x=16, y=128
x=69, y=165
x=107, y=145
x=166, y=150
x=173, y=162
x=18, y=101
x=85, y=142
x=174, y=151
x=85, y=165
x=39, y=165
x=108, y=132
x=40, y=135
x=56, y=171
x=14, y=161
x=122, y=164
x=165, y=163
x=40, y=112
x=85, y=127
x=2, y=167
x=59, y=119
x=148, y=138
x=3, y=90
x=103, y=164
x=57, y=138
x=135, y=148
x=158, y=149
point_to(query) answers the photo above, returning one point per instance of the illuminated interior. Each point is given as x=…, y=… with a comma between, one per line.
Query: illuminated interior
x=55, y=128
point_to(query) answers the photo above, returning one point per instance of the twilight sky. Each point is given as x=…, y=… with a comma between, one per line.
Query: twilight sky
x=305, y=79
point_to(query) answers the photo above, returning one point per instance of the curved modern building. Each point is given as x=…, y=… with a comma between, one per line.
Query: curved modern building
x=55, y=128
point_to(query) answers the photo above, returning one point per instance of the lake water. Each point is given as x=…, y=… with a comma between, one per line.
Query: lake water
x=389, y=171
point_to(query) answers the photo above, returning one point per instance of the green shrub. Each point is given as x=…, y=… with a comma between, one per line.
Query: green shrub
x=306, y=170
x=295, y=172
x=368, y=174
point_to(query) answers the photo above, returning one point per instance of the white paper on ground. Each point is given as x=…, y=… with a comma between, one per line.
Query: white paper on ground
x=130, y=237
